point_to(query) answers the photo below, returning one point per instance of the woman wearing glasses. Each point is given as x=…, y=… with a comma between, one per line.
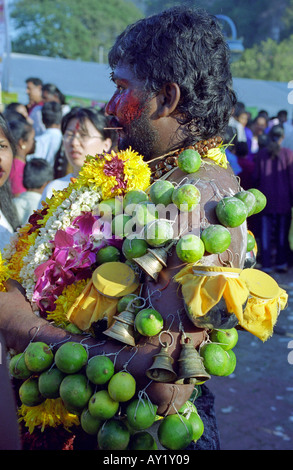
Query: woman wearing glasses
x=84, y=134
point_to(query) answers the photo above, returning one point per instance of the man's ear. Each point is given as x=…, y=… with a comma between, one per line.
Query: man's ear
x=168, y=99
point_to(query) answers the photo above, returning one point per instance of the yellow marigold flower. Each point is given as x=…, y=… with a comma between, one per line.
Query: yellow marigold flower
x=218, y=155
x=51, y=412
x=65, y=301
x=4, y=273
x=114, y=174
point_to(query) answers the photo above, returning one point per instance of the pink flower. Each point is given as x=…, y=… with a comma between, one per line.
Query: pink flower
x=73, y=258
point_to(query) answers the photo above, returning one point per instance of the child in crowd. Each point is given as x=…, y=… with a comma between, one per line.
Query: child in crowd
x=48, y=143
x=24, y=136
x=37, y=174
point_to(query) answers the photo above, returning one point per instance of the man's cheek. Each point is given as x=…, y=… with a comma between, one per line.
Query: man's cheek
x=131, y=108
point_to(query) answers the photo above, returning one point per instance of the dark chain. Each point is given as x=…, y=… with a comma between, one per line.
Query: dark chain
x=168, y=162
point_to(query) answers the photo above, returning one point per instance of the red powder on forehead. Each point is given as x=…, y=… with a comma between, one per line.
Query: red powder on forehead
x=77, y=125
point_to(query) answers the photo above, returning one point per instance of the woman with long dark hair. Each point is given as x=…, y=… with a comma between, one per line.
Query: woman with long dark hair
x=84, y=133
x=274, y=177
x=8, y=216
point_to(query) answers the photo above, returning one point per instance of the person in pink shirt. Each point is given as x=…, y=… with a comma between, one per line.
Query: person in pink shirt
x=24, y=136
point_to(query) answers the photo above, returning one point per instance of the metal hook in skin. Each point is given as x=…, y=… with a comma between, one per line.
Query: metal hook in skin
x=164, y=344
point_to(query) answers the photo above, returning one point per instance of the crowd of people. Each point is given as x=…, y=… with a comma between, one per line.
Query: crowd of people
x=52, y=141
x=260, y=152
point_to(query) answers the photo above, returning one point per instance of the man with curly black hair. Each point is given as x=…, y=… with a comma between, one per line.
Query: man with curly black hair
x=173, y=90
x=178, y=62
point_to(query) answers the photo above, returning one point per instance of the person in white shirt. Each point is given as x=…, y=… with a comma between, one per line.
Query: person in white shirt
x=37, y=174
x=48, y=144
x=84, y=133
x=8, y=215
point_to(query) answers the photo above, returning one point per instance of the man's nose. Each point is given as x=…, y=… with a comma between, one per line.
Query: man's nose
x=109, y=109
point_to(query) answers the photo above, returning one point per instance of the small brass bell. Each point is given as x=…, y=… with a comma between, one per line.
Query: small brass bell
x=123, y=328
x=191, y=368
x=161, y=369
x=154, y=260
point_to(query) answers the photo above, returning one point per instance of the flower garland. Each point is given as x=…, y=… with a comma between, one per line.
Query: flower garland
x=58, y=247
x=4, y=273
x=51, y=412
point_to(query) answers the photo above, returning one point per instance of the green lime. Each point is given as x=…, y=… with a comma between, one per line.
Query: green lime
x=187, y=407
x=120, y=226
x=148, y=322
x=158, y=233
x=99, y=369
x=231, y=366
x=38, y=356
x=134, y=247
x=141, y=414
x=50, y=381
x=113, y=435
x=132, y=198
x=75, y=391
x=88, y=423
x=231, y=211
x=175, y=432
x=73, y=329
x=102, y=406
x=250, y=242
x=144, y=213
x=215, y=358
x=216, y=238
x=249, y=200
x=189, y=161
x=111, y=207
x=186, y=197
x=142, y=441
x=18, y=368
x=161, y=192
x=71, y=357
x=29, y=392
x=226, y=338
x=197, y=425
x=261, y=200
x=122, y=386
x=108, y=254
x=124, y=303
x=190, y=248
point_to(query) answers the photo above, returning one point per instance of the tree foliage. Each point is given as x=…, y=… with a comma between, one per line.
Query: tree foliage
x=71, y=29
x=268, y=60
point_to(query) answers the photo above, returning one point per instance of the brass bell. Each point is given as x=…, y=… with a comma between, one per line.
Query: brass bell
x=191, y=368
x=161, y=369
x=154, y=260
x=123, y=328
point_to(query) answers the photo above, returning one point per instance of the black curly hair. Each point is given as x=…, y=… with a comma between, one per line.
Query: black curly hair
x=185, y=46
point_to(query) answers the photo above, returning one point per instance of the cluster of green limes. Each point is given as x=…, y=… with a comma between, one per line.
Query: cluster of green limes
x=135, y=219
x=218, y=355
x=105, y=400
x=231, y=212
x=216, y=238
x=140, y=219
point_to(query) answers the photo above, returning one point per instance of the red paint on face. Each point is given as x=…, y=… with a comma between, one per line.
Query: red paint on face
x=126, y=107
